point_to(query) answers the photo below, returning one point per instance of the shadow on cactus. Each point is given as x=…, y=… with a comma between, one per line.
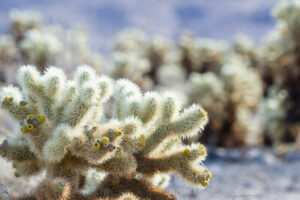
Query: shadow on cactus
x=63, y=131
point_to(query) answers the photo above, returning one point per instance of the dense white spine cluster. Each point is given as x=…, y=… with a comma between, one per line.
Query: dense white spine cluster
x=63, y=132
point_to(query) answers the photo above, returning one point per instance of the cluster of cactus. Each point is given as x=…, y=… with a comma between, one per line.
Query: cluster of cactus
x=86, y=154
x=204, y=71
x=238, y=83
x=29, y=41
x=200, y=55
x=138, y=58
x=230, y=96
x=281, y=64
x=228, y=80
x=223, y=81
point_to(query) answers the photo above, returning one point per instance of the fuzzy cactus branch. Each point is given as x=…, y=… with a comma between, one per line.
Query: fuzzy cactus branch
x=64, y=130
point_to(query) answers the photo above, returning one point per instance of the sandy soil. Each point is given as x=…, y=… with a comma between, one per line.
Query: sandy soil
x=260, y=176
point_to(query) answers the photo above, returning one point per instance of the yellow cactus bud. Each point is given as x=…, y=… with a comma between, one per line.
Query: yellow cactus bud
x=118, y=133
x=203, y=150
x=97, y=145
x=186, y=152
x=176, y=139
x=59, y=187
x=143, y=143
x=30, y=116
x=17, y=175
x=105, y=140
x=204, y=183
x=23, y=103
x=209, y=175
x=142, y=138
x=8, y=99
x=41, y=119
x=204, y=114
x=23, y=129
x=30, y=127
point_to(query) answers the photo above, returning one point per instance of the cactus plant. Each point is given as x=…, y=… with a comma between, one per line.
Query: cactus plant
x=211, y=73
x=63, y=131
x=230, y=96
x=201, y=55
x=30, y=41
x=138, y=57
x=281, y=64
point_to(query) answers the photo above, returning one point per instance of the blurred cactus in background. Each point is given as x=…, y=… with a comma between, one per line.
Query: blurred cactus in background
x=29, y=41
x=63, y=131
x=211, y=73
x=230, y=97
x=245, y=48
x=128, y=58
x=200, y=55
x=241, y=78
x=281, y=66
x=137, y=57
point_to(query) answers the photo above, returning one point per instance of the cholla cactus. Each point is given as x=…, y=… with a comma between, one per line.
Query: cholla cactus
x=201, y=55
x=139, y=58
x=8, y=49
x=7, y=54
x=222, y=79
x=132, y=66
x=39, y=47
x=130, y=40
x=229, y=97
x=128, y=58
x=244, y=47
x=21, y=21
x=192, y=54
x=282, y=67
x=62, y=130
x=202, y=71
x=77, y=50
x=274, y=111
x=32, y=42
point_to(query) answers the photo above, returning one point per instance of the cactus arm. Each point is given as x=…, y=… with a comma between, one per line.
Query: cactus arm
x=15, y=152
x=190, y=121
x=180, y=161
